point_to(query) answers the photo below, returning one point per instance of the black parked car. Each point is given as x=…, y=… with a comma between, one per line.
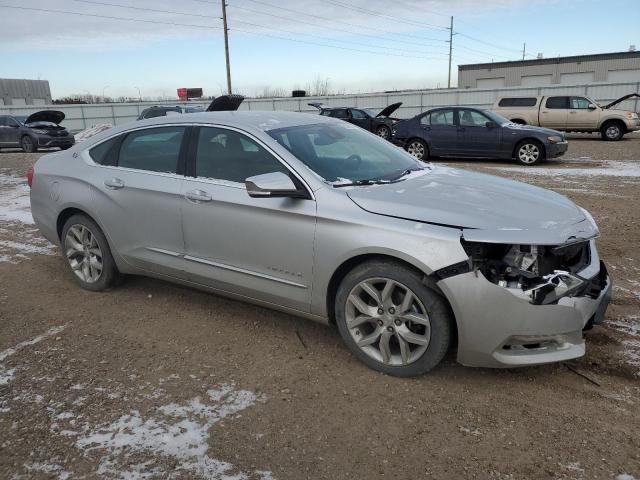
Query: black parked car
x=379, y=123
x=476, y=133
x=42, y=129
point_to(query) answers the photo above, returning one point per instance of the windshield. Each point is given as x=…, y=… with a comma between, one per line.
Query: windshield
x=21, y=119
x=343, y=153
x=499, y=119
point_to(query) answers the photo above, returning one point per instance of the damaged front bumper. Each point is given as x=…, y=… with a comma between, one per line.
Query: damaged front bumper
x=497, y=327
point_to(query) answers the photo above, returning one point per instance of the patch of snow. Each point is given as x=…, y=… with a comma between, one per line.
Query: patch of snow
x=13, y=350
x=572, y=467
x=27, y=247
x=179, y=431
x=6, y=375
x=15, y=204
x=624, y=476
x=613, y=168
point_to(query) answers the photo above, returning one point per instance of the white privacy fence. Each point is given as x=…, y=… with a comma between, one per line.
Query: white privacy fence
x=79, y=117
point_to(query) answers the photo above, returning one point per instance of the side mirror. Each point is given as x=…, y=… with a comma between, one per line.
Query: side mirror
x=491, y=124
x=592, y=106
x=275, y=184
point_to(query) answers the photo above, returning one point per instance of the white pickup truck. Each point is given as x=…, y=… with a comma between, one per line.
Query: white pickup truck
x=570, y=114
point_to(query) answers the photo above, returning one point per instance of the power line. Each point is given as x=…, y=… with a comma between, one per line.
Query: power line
x=95, y=15
x=386, y=15
x=349, y=24
x=351, y=42
x=498, y=47
x=109, y=17
x=172, y=12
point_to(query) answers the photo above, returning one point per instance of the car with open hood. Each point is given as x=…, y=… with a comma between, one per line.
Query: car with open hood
x=38, y=130
x=465, y=132
x=571, y=113
x=316, y=217
x=374, y=120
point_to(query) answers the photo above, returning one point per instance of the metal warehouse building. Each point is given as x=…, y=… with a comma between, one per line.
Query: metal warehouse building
x=18, y=92
x=581, y=69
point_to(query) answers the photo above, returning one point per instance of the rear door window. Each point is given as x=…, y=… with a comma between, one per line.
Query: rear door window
x=105, y=153
x=153, y=149
x=358, y=114
x=339, y=113
x=441, y=118
x=556, y=103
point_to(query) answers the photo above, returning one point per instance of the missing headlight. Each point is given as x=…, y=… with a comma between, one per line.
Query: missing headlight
x=540, y=274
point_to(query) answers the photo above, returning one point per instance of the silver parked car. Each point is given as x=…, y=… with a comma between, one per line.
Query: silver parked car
x=319, y=218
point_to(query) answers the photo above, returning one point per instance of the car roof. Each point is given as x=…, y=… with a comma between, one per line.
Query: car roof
x=255, y=121
x=258, y=120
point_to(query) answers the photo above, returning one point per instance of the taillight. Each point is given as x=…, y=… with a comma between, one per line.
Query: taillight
x=30, y=176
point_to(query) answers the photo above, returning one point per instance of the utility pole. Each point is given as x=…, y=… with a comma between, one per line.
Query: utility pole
x=450, y=51
x=226, y=44
x=524, y=49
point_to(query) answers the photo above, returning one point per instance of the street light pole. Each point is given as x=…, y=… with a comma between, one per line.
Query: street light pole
x=139, y=94
x=450, y=51
x=226, y=44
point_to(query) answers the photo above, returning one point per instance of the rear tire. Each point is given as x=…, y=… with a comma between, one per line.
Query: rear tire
x=418, y=148
x=530, y=152
x=88, y=255
x=28, y=144
x=612, y=131
x=391, y=321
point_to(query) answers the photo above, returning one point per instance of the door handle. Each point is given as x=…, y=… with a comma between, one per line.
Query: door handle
x=114, y=184
x=198, y=196
x=573, y=111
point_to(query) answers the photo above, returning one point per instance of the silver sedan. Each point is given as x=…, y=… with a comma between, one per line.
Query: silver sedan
x=317, y=217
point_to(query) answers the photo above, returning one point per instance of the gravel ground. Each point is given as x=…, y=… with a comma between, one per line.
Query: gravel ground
x=152, y=380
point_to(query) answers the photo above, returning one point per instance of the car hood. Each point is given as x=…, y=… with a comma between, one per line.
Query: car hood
x=385, y=112
x=533, y=128
x=486, y=208
x=52, y=116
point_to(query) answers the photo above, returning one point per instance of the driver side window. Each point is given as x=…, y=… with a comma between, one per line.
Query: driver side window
x=231, y=156
x=580, y=103
x=471, y=118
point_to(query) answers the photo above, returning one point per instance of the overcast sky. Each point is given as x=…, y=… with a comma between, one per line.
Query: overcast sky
x=358, y=45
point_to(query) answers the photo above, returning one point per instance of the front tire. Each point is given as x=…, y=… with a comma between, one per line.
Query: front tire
x=529, y=152
x=383, y=132
x=391, y=321
x=88, y=255
x=28, y=144
x=418, y=148
x=612, y=131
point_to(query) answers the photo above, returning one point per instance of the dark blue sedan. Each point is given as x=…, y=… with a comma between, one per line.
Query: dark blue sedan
x=476, y=133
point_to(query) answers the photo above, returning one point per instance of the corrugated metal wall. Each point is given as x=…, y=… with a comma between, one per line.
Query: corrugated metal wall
x=80, y=117
x=24, y=92
x=563, y=72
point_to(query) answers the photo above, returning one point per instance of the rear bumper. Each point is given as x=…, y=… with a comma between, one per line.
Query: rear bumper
x=557, y=149
x=498, y=329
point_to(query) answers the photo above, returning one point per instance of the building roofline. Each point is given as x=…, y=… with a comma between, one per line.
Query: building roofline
x=551, y=61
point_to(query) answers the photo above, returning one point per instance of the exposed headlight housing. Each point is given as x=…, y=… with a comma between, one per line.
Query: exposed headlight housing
x=555, y=138
x=631, y=115
x=539, y=274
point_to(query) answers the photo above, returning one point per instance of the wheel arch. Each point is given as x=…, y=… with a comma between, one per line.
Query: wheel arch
x=68, y=212
x=617, y=120
x=518, y=120
x=347, y=265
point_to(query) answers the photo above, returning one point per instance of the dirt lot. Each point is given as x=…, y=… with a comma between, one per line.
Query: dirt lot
x=156, y=381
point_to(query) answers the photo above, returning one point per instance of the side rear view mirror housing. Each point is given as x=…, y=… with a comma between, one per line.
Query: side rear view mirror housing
x=491, y=124
x=275, y=184
x=592, y=106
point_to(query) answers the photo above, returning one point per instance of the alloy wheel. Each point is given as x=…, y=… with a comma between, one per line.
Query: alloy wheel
x=83, y=253
x=387, y=321
x=529, y=153
x=416, y=149
x=383, y=132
